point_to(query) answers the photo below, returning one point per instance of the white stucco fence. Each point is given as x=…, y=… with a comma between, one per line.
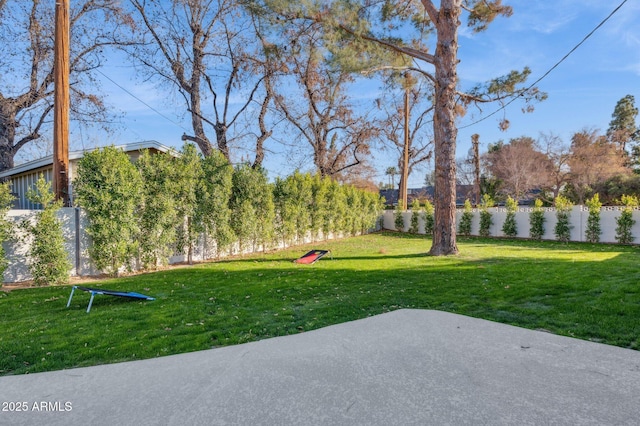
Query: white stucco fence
x=577, y=220
x=77, y=242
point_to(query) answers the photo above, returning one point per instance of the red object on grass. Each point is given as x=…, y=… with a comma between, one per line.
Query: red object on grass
x=312, y=256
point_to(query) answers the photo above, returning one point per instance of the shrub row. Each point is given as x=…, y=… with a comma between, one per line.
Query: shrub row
x=162, y=204
x=562, y=229
x=418, y=212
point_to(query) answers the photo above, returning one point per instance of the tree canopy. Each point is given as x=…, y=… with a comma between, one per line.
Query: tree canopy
x=404, y=36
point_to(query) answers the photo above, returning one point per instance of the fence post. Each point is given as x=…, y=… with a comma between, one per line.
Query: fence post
x=78, y=257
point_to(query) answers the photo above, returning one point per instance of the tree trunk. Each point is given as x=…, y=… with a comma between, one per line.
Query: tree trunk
x=7, y=135
x=445, y=130
x=196, y=122
x=404, y=168
x=6, y=154
x=475, y=140
x=264, y=133
x=221, y=137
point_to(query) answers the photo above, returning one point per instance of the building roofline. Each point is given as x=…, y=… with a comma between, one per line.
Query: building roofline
x=74, y=155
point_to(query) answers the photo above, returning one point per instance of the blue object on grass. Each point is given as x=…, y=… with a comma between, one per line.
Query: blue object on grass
x=95, y=291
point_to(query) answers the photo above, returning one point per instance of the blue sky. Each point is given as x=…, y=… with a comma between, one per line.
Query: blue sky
x=583, y=89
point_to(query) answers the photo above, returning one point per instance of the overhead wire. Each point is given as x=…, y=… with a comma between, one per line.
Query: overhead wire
x=550, y=69
x=141, y=101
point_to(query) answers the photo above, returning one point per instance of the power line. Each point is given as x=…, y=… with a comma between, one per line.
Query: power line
x=141, y=101
x=550, y=69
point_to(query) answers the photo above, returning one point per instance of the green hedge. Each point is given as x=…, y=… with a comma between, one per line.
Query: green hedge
x=158, y=206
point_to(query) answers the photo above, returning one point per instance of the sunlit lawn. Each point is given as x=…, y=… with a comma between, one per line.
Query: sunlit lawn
x=586, y=291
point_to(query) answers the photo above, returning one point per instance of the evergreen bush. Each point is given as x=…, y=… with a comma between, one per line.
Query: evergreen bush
x=399, y=216
x=536, y=220
x=186, y=196
x=374, y=205
x=354, y=210
x=336, y=222
x=108, y=187
x=415, y=216
x=188, y=177
x=288, y=208
x=48, y=261
x=625, y=221
x=320, y=208
x=509, y=227
x=253, y=209
x=213, y=211
x=158, y=218
x=563, y=228
x=6, y=227
x=464, y=228
x=486, y=218
x=593, y=231
x=428, y=217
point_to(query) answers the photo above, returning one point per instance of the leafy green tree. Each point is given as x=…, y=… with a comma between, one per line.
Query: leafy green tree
x=253, y=210
x=295, y=197
x=486, y=218
x=509, y=227
x=563, y=228
x=108, y=187
x=464, y=228
x=625, y=221
x=188, y=178
x=243, y=214
x=306, y=202
x=321, y=207
x=611, y=190
x=6, y=228
x=354, y=209
x=265, y=208
x=213, y=210
x=373, y=206
x=158, y=214
x=338, y=200
x=623, y=130
x=287, y=208
x=415, y=216
x=244, y=222
x=593, y=230
x=536, y=220
x=48, y=263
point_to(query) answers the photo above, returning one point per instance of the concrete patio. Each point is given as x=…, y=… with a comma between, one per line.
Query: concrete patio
x=408, y=367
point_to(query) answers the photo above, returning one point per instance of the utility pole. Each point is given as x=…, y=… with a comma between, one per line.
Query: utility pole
x=61, y=103
x=405, y=153
x=475, y=141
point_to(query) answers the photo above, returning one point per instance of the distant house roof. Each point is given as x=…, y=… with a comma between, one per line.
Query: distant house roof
x=76, y=155
x=24, y=175
x=391, y=195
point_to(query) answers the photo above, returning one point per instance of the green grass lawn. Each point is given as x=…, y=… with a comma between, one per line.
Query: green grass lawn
x=581, y=290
